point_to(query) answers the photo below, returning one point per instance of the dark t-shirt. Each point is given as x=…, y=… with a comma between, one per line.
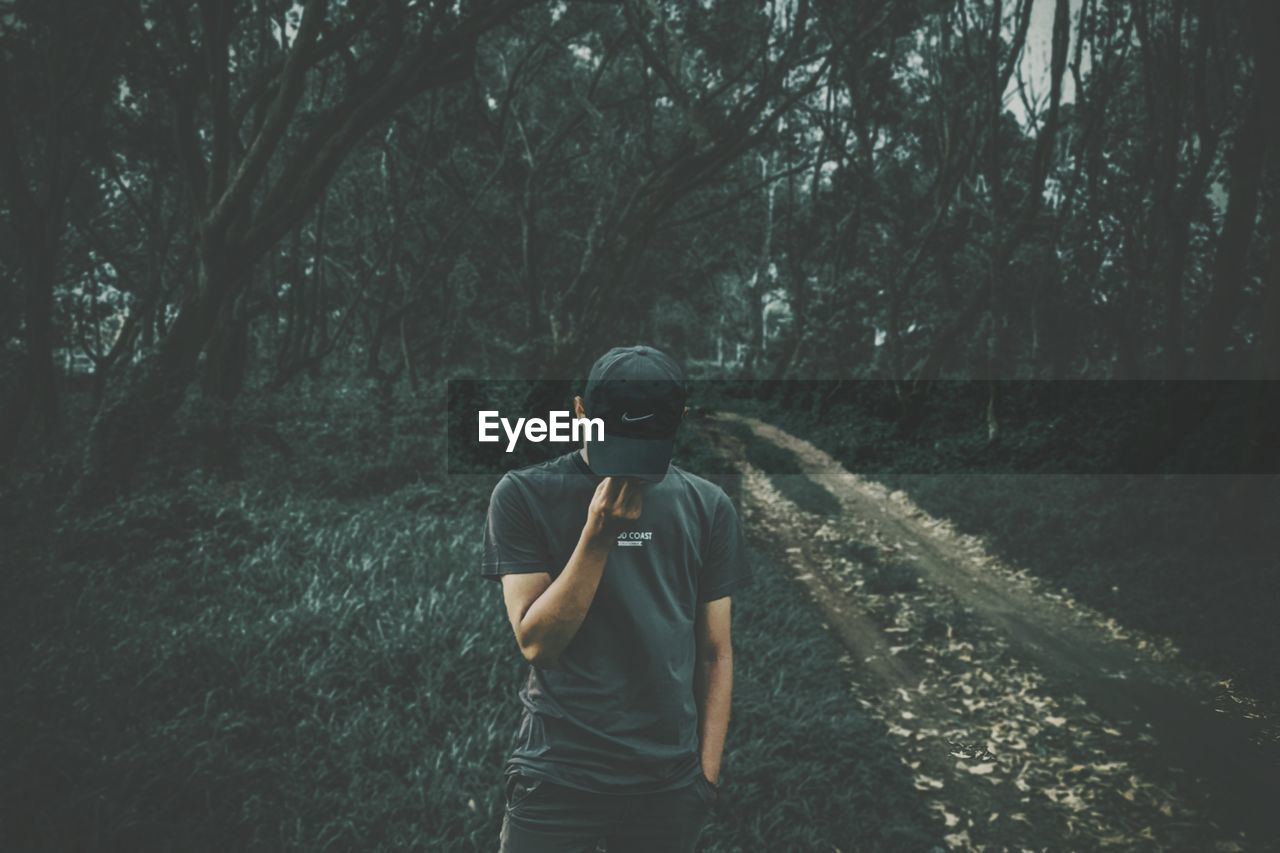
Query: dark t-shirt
x=617, y=712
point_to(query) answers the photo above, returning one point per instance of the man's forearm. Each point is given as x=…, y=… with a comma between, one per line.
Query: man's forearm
x=713, y=691
x=554, y=618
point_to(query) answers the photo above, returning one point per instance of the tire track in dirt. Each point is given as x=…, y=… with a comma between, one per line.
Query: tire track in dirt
x=1029, y=720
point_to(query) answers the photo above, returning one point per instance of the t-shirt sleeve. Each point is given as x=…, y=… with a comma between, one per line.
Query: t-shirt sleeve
x=512, y=542
x=724, y=566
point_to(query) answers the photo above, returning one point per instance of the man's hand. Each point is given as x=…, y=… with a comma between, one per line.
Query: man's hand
x=546, y=614
x=617, y=500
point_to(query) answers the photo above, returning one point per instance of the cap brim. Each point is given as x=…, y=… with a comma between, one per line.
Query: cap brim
x=621, y=456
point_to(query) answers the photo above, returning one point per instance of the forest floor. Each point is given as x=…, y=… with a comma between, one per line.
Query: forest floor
x=1025, y=717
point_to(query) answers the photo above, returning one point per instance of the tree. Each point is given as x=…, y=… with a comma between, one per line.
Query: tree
x=58, y=67
x=267, y=106
x=1257, y=128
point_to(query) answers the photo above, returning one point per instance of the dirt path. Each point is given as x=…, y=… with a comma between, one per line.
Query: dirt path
x=1029, y=720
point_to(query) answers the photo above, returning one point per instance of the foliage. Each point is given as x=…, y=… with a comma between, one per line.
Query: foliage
x=904, y=191
x=257, y=665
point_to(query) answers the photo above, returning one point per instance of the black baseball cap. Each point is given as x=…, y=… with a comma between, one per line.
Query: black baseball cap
x=640, y=394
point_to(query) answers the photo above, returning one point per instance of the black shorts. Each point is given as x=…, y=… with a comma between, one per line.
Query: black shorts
x=543, y=816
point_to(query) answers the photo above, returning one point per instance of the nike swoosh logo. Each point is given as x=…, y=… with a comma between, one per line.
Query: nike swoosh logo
x=632, y=420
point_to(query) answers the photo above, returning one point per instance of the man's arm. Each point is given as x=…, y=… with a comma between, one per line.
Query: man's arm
x=713, y=681
x=546, y=614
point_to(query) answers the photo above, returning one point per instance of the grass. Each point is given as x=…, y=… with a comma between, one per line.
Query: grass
x=306, y=660
x=219, y=669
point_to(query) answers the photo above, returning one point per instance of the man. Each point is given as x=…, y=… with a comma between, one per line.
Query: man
x=616, y=570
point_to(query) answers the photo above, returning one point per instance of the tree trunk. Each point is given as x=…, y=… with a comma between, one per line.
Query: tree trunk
x=226, y=362
x=1024, y=221
x=36, y=388
x=1128, y=365
x=992, y=418
x=1182, y=205
x=755, y=313
x=1247, y=161
x=39, y=308
x=1231, y=266
x=148, y=394
x=1268, y=366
